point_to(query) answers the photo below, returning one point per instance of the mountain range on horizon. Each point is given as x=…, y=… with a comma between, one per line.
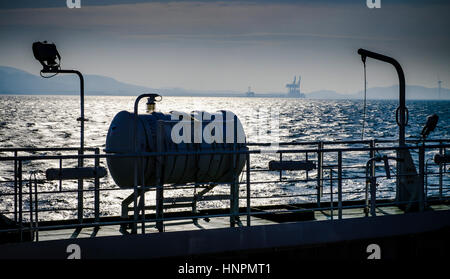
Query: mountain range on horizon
x=16, y=81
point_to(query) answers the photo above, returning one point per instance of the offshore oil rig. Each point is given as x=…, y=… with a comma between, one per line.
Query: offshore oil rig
x=143, y=158
x=249, y=92
x=294, y=88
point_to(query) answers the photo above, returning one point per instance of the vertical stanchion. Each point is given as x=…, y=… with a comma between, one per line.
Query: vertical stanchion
x=159, y=178
x=331, y=194
x=80, y=190
x=234, y=199
x=36, y=209
x=307, y=171
x=97, y=187
x=441, y=152
x=15, y=186
x=248, y=191
x=372, y=155
x=372, y=174
x=142, y=199
x=370, y=180
x=340, y=185
x=373, y=193
x=135, y=196
x=30, y=205
x=60, y=177
x=319, y=172
x=366, y=192
x=422, y=176
x=426, y=184
x=20, y=199
x=81, y=151
x=281, y=172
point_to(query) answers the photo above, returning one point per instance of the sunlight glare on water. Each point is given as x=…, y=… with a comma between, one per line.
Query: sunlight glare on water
x=50, y=121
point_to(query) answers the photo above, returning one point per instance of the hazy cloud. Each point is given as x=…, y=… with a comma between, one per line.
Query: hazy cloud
x=233, y=44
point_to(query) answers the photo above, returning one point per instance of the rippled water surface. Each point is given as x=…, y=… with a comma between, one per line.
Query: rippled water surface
x=50, y=121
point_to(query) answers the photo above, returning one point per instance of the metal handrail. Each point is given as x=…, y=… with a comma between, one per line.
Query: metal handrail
x=224, y=152
x=324, y=181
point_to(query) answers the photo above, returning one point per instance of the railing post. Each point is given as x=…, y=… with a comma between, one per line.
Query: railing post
x=369, y=177
x=248, y=190
x=307, y=172
x=372, y=155
x=81, y=151
x=422, y=176
x=373, y=194
x=30, y=205
x=60, y=179
x=15, y=186
x=340, y=184
x=20, y=199
x=234, y=189
x=142, y=199
x=319, y=172
x=426, y=184
x=441, y=152
x=371, y=174
x=281, y=172
x=159, y=178
x=36, y=209
x=135, y=197
x=331, y=194
x=97, y=187
x=80, y=191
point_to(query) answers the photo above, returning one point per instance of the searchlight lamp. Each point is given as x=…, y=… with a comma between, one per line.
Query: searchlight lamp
x=47, y=55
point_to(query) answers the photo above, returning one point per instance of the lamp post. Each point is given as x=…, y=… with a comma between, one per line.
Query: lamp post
x=47, y=55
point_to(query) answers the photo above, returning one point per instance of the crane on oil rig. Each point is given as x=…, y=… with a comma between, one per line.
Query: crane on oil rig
x=294, y=88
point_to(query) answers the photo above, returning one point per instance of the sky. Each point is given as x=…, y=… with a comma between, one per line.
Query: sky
x=230, y=45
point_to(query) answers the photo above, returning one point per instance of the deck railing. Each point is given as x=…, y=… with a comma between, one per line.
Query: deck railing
x=344, y=173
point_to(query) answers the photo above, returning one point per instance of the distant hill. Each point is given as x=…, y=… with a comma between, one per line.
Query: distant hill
x=16, y=81
x=413, y=92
